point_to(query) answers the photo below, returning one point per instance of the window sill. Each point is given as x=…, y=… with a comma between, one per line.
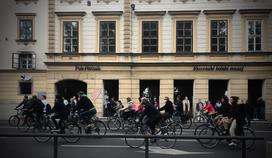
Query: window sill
x=26, y=42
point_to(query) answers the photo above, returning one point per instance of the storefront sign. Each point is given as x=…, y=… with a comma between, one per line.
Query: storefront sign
x=87, y=68
x=218, y=68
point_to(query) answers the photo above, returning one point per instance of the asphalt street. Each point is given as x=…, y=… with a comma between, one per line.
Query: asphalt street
x=116, y=148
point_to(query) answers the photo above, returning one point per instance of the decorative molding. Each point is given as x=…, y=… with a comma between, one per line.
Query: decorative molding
x=70, y=1
x=107, y=13
x=26, y=2
x=210, y=12
x=51, y=25
x=149, y=1
x=25, y=14
x=184, y=12
x=150, y=13
x=255, y=11
x=183, y=1
x=70, y=13
x=107, y=1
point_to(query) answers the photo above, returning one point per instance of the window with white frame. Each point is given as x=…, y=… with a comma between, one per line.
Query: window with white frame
x=184, y=36
x=107, y=37
x=219, y=35
x=70, y=36
x=23, y=61
x=254, y=35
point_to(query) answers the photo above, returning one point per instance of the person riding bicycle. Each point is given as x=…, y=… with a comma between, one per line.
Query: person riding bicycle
x=58, y=112
x=209, y=110
x=168, y=108
x=129, y=111
x=85, y=107
x=150, y=116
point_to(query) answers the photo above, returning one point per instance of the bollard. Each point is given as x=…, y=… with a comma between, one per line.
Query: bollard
x=146, y=148
x=243, y=148
x=268, y=149
x=55, y=147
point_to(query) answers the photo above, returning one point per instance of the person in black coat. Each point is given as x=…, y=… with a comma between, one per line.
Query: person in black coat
x=85, y=107
x=168, y=108
x=23, y=103
x=151, y=114
x=59, y=113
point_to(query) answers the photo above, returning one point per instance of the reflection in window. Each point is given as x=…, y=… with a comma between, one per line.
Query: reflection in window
x=150, y=36
x=184, y=36
x=219, y=36
x=70, y=36
x=254, y=35
x=107, y=37
x=25, y=29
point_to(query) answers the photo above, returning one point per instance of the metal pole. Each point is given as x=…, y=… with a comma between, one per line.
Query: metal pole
x=243, y=148
x=146, y=148
x=55, y=147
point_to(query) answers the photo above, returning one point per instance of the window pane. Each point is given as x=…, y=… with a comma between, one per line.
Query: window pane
x=214, y=48
x=180, y=33
x=222, y=48
x=179, y=25
x=250, y=40
x=188, y=48
x=146, y=42
x=188, y=25
x=153, y=42
x=153, y=33
x=258, y=40
x=214, y=41
x=214, y=25
x=222, y=41
x=180, y=41
x=250, y=47
x=112, y=49
x=258, y=31
x=214, y=32
x=154, y=25
x=188, y=33
x=112, y=41
x=258, y=47
x=145, y=49
x=187, y=41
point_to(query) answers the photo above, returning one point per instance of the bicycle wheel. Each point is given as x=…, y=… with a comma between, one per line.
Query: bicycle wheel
x=175, y=128
x=199, y=119
x=165, y=143
x=42, y=130
x=114, y=124
x=134, y=142
x=248, y=133
x=24, y=124
x=186, y=124
x=13, y=120
x=96, y=128
x=130, y=124
x=208, y=143
x=72, y=128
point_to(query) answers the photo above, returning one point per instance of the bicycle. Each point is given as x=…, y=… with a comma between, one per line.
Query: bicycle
x=200, y=118
x=91, y=125
x=184, y=119
x=14, y=119
x=45, y=125
x=161, y=129
x=216, y=129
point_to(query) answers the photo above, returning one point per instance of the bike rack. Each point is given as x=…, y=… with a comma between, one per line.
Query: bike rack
x=145, y=137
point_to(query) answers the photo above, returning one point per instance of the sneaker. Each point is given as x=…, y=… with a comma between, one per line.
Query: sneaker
x=232, y=144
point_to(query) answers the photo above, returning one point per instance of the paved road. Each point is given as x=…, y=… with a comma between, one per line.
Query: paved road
x=116, y=148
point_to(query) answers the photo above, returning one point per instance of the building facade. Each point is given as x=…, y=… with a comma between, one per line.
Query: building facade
x=202, y=49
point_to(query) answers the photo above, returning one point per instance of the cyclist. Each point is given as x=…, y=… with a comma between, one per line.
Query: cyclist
x=85, y=107
x=168, y=108
x=23, y=103
x=129, y=111
x=59, y=113
x=151, y=114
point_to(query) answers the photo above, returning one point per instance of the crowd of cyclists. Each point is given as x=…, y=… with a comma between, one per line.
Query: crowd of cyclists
x=233, y=114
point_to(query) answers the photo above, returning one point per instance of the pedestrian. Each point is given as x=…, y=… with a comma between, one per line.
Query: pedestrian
x=199, y=106
x=186, y=105
x=260, y=108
